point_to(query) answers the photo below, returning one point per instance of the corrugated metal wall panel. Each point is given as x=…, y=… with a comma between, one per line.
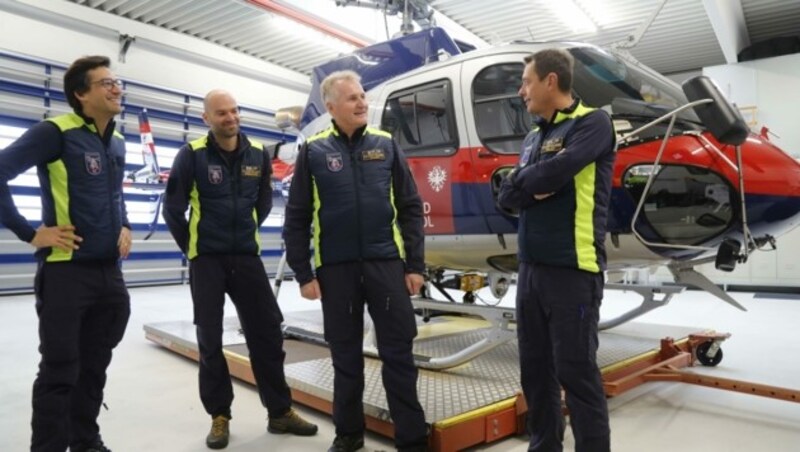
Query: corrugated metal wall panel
x=680, y=38
x=770, y=19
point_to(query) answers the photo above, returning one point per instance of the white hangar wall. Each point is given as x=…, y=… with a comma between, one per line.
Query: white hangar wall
x=772, y=86
x=62, y=31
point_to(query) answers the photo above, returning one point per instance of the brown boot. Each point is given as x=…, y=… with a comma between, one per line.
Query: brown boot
x=291, y=422
x=218, y=436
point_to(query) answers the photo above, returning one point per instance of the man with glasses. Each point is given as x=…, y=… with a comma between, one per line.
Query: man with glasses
x=81, y=299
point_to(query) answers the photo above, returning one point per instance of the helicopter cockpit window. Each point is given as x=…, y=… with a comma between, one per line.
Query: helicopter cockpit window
x=626, y=90
x=421, y=119
x=685, y=205
x=501, y=118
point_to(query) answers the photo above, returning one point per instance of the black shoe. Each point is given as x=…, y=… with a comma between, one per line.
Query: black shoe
x=291, y=422
x=95, y=446
x=218, y=436
x=347, y=443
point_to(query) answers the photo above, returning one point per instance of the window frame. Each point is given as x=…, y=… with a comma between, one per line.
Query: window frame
x=488, y=144
x=444, y=149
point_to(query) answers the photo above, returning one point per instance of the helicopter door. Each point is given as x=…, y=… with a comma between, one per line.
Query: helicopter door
x=497, y=122
x=422, y=116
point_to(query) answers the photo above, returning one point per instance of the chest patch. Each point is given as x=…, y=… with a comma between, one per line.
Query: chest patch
x=93, y=163
x=526, y=155
x=251, y=171
x=215, y=174
x=372, y=155
x=334, y=161
x=553, y=145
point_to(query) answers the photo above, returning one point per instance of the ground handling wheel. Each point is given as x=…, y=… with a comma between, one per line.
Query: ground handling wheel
x=708, y=356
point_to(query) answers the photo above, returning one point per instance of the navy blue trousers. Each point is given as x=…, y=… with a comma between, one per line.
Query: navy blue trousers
x=346, y=288
x=83, y=310
x=557, y=314
x=243, y=278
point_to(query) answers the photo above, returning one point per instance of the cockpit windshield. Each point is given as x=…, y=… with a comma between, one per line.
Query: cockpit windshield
x=632, y=94
x=623, y=88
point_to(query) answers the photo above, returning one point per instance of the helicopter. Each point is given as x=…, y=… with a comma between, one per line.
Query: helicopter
x=691, y=183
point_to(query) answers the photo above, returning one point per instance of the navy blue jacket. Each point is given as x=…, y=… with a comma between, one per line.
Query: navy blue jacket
x=80, y=177
x=229, y=199
x=572, y=157
x=360, y=198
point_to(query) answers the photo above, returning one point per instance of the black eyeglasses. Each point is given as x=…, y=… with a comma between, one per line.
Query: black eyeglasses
x=108, y=83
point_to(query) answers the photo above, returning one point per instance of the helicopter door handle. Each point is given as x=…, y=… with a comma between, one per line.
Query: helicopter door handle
x=484, y=153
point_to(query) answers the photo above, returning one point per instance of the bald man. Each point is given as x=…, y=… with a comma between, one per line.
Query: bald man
x=225, y=178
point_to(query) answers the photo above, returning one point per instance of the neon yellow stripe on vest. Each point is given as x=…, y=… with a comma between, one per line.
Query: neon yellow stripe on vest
x=584, y=219
x=324, y=134
x=317, y=226
x=580, y=110
x=398, y=237
x=59, y=188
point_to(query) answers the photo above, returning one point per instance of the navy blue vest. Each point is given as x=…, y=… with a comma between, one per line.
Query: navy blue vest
x=83, y=187
x=354, y=215
x=223, y=198
x=568, y=228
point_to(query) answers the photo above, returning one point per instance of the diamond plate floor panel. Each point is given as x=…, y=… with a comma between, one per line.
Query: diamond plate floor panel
x=488, y=379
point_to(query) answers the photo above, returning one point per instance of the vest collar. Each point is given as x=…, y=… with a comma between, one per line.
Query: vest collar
x=89, y=123
x=560, y=115
x=358, y=133
x=241, y=142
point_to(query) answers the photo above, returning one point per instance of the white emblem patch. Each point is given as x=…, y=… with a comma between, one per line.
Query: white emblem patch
x=436, y=178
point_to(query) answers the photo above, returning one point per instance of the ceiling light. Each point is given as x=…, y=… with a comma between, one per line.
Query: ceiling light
x=572, y=16
x=296, y=29
x=597, y=10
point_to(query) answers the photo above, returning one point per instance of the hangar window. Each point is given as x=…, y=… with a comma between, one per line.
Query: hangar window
x=421, y=119
x=501, y=118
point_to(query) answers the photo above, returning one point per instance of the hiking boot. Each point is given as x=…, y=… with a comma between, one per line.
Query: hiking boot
x=218, y=436
x=347, y=443
x=291, y=422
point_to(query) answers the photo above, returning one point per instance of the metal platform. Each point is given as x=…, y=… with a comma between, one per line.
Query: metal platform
x=473, y=403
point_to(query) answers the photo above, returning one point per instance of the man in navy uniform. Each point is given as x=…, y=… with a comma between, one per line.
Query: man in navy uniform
x=352, y=183
x=81, y=299
x=562, y=187
x=225, y=178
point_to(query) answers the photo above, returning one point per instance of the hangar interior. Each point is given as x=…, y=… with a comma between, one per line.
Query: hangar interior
x=170, y=53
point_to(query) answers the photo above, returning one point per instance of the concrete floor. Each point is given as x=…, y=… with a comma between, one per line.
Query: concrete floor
x=153, y=403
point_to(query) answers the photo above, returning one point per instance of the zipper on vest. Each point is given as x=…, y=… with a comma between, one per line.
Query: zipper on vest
x=111, y=163
x=234, y=193
x=356, y=175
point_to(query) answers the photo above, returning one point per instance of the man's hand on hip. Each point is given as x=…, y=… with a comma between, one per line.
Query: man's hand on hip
x=62, y=237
